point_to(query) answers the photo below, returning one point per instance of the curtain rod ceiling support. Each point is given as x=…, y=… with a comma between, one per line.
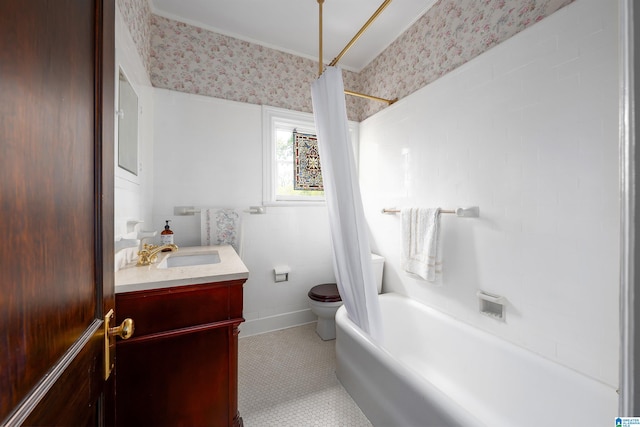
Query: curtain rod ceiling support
x=320, y=38
x=347, y=47
x=359, y=33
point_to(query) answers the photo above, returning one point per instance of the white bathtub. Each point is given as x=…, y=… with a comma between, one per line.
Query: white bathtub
x=435, y=371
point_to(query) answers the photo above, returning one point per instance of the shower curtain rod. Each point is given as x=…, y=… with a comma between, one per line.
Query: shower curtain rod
x=374, y=98
x=347, y=47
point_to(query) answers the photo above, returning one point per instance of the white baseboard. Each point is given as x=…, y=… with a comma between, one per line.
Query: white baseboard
x=275, y=323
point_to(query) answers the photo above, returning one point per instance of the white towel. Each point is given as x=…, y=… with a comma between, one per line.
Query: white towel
x=420, y=242
x=220, y=226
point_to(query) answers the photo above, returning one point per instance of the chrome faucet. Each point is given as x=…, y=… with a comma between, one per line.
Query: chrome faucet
x=149, y=254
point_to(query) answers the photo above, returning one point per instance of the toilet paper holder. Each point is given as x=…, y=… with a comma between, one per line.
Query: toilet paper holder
x=281, y=273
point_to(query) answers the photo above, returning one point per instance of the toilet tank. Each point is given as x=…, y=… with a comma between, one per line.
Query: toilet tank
x=378, y=266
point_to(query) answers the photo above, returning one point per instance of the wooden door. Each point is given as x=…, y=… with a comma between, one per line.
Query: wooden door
x=56, y=209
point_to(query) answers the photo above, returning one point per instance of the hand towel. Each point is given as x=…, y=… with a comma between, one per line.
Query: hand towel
x=420, y=242
x=221, y=226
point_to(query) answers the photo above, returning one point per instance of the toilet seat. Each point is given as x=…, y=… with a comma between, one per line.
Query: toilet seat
x=327, y=292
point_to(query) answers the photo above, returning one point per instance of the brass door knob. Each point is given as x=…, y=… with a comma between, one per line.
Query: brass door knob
x=125, y=330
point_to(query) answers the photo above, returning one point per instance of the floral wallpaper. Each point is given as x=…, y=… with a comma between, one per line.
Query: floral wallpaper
x=448, y=35
x=193, y=60
x=190, y=59
x=137, y=15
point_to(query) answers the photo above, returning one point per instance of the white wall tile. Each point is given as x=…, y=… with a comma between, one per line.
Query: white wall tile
x=527, y=131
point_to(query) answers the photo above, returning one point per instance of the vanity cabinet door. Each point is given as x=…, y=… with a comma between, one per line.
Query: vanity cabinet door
x=180, y=367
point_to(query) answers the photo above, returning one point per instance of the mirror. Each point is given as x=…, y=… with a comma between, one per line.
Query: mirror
x=127, y=126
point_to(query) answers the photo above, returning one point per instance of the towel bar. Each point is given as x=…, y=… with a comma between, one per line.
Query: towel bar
x=470, y=212
x=190, y=210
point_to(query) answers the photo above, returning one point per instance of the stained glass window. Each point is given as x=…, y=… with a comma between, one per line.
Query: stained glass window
x=289, y=166
x=307, y=172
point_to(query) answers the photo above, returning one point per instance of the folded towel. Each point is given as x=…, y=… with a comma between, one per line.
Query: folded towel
x=219, y=226
x=420, y=242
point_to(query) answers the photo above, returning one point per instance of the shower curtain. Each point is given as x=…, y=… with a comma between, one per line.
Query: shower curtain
x=349, y=234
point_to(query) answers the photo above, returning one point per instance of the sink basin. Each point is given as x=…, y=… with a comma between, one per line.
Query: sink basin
x=186, y=260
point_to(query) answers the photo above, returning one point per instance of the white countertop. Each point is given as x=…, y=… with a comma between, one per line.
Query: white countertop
x=133, y=278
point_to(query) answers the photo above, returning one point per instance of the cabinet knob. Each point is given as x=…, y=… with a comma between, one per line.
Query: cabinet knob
x=125, y=330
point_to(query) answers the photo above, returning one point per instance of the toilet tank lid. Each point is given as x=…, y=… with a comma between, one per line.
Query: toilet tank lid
x=375, y=258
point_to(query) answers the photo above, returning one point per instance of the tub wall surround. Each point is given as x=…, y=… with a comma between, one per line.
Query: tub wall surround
x=529, y=132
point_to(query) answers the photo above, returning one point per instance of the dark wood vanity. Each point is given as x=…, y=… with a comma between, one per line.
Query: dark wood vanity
x=180, y=368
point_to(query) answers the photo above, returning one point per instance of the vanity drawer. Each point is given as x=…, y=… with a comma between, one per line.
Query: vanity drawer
x=163, y=310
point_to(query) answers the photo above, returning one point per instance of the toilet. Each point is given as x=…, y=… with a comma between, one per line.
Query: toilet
x=324, y=301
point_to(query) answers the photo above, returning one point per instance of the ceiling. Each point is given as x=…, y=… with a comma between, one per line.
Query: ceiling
x=292, y=25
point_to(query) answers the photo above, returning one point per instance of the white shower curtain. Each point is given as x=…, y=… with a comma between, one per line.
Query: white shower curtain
x=349, y=234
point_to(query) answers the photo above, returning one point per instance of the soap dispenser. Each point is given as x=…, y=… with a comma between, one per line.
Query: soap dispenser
x=166, y=237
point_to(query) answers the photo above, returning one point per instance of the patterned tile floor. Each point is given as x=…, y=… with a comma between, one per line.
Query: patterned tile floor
x=287, y=378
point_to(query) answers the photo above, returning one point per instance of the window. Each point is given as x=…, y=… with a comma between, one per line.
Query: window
x=291, y=163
